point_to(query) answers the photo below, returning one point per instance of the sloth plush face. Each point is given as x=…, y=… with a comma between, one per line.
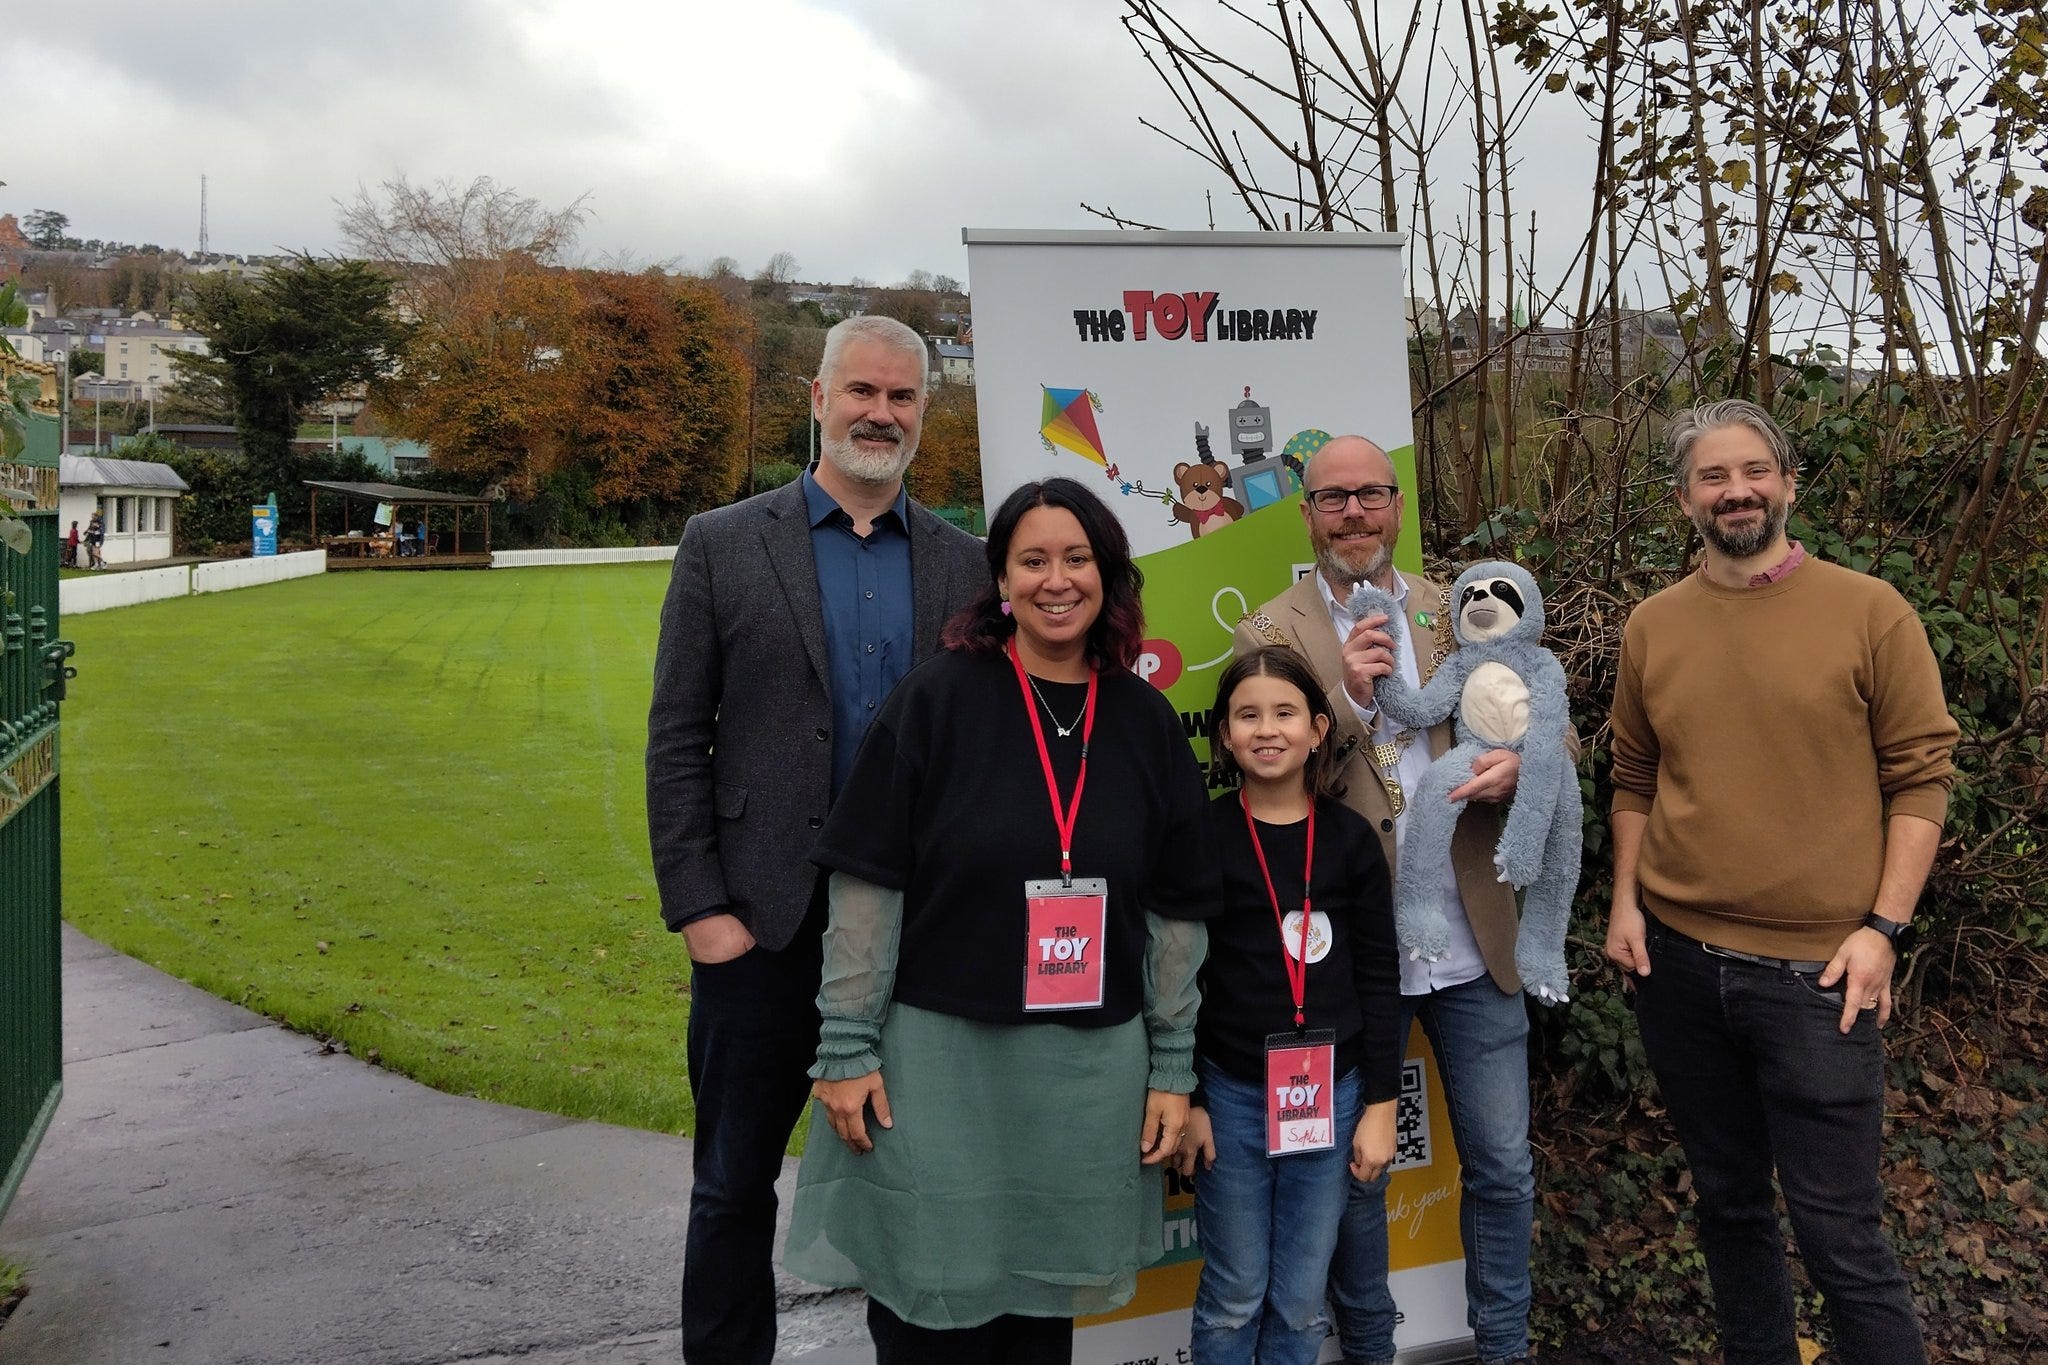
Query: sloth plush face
x=1496, y=603
x=1489, y=609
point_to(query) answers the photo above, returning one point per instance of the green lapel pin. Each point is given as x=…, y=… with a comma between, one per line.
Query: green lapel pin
x=1426, y=620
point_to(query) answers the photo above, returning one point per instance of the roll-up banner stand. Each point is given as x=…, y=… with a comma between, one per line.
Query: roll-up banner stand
x=1185, y=376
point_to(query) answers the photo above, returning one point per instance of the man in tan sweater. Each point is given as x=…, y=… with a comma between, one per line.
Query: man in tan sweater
x=1781, y=773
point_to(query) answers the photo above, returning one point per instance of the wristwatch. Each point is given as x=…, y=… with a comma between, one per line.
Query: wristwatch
x=1903, y=936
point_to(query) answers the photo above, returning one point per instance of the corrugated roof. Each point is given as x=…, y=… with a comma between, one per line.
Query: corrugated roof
x=102, y=471
x=399, y=493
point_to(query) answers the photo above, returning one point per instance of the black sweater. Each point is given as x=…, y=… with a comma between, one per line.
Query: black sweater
x=947, y=803
x=1355, y=990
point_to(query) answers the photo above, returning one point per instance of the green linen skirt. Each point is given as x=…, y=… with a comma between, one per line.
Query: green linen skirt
x=1010, y=1183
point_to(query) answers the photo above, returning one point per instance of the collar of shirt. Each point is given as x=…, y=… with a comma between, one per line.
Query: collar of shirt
x=821, y=508
x=1782, y=569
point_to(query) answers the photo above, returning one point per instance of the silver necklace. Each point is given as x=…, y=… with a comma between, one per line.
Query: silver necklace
x=1063, y=730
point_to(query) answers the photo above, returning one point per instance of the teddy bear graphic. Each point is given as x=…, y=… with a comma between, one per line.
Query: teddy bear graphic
x=1204, y=504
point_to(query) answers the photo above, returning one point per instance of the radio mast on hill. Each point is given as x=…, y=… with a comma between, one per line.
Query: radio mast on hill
x=202, y=217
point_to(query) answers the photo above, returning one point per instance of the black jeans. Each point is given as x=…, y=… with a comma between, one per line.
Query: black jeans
x=1757, y=1076
x=753, y=1037
x=1008, y=1340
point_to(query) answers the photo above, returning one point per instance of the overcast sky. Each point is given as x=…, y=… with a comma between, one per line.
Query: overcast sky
x=858, y=135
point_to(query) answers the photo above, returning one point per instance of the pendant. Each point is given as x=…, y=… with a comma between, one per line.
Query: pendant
x=1062, y=730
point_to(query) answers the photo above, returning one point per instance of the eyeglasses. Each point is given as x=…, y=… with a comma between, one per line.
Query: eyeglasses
x=1371, y=497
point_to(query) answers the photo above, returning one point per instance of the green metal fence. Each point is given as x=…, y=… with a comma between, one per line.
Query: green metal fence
x=32, y=673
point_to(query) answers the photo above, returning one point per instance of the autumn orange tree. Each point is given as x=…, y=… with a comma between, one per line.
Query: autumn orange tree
x=655, y=377
x=602, y=402
x=947, y=470
x=483, y=384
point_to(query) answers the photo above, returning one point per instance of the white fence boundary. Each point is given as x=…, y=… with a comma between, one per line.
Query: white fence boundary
x=224, y=575
x=78, y=596
x=532, y=559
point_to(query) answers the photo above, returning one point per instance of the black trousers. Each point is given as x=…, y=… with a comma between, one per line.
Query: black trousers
x=1759, y=1081
x=1008, y=1340
x=753, y=1036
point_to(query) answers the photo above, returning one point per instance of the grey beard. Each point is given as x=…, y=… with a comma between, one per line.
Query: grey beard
x=879, y=467
x=1336, y=570
x=1743, y=544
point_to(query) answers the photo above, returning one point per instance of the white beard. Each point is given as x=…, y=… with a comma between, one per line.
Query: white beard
x=868, y=466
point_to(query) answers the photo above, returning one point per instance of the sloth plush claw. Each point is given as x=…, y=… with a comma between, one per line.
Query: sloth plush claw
x=1505, y=691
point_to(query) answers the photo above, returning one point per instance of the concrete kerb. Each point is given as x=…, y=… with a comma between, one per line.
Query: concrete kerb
x=216, y=1188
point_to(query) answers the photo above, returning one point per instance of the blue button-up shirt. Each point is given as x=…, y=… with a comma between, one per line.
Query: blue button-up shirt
x=864, y=585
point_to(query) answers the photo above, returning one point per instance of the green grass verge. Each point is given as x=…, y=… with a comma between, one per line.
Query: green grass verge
x=13, y=1285
x=404, y=811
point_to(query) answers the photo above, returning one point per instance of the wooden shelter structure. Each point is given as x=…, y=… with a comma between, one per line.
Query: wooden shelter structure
x=386, y=544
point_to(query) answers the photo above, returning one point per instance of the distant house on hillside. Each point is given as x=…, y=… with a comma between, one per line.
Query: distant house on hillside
x=387, y=453
x=199, y=435
x=1651, y=342
x=952, y=360
x=137, y=498
x=139, y=351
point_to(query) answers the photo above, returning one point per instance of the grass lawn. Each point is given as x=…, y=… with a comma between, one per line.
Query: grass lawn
x=400, y=810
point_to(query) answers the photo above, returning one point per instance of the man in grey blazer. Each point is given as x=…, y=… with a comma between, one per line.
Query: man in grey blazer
x=788, y=619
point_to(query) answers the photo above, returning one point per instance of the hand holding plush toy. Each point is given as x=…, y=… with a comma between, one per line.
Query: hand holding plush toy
x=1507, y=692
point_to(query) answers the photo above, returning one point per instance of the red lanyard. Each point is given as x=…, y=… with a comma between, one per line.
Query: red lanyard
x=1064, y=823
x=1297, y=968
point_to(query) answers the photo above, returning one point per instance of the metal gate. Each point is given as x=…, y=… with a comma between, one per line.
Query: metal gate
x=32, y=675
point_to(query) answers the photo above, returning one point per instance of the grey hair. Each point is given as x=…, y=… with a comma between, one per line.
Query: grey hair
x=1689, y=424
x=886, y=332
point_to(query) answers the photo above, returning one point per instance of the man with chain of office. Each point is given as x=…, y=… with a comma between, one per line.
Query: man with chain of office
x=1470, y=1001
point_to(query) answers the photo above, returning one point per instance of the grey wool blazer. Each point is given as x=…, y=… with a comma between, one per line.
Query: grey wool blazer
x=739, y=732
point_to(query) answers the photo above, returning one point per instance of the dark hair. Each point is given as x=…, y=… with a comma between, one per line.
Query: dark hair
x=1282, y=662
x=1118, y=633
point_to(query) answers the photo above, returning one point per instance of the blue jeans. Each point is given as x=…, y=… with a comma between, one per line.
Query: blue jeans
x=1481, y=1040
x=1268, y=1226
x=1757, y=1074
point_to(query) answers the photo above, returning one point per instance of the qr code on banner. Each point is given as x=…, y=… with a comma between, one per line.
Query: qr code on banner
x=1411, y=1119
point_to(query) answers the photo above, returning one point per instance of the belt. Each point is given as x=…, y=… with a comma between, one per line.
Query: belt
x=1783, y=964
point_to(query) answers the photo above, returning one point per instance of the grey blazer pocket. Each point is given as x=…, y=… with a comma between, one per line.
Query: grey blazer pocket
x=728, y=801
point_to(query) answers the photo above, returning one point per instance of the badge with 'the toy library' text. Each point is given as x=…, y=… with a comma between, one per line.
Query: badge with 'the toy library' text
x=1063, y=947
x=1301, y=1092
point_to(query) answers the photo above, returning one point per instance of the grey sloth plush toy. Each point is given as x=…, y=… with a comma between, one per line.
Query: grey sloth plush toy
x=1508, y=692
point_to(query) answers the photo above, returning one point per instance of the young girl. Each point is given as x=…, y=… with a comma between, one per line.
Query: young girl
x=1297, y=1048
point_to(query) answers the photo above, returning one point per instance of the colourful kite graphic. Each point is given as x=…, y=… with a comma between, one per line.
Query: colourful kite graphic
x=1067, y=420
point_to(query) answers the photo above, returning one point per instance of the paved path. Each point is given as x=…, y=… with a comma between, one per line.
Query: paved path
x=216, y=1190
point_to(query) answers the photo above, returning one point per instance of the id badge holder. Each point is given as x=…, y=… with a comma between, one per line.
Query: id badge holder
x=1063, y=943
x=1301, y=1092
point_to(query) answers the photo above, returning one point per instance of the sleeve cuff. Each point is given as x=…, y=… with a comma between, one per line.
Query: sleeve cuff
x=681, y=922
x=845, y=1068
x=1633, y=802
x=846, y=1048
x=1930, y=803
x=1174, y=1075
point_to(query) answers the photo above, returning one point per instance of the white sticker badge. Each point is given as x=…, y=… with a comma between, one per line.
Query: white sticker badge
x=1318, y=935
